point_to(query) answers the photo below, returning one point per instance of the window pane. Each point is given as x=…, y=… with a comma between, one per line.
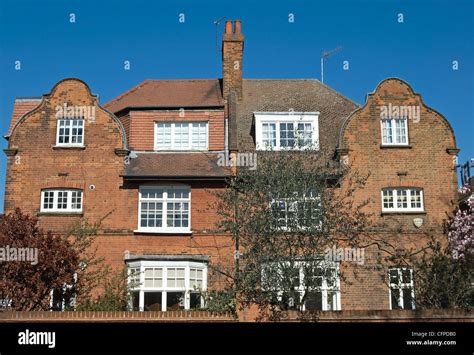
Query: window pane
x=287, y=135
x=305, y=134
x=199, y=135
x=181, y=136
x=314, y=301
x=268, y=135
x=401, y=134
x=163, y=135
x=406, y=276
x=415, y=198
x=387, y=136
x=402, y=199
x=387, y=199
x=194, y=300
x=407, y=298
x=395, y=296
x=152, y=301
x=174, y=301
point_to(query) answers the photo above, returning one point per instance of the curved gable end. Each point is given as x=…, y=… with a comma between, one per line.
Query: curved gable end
x=69, y=96
x=395, y=97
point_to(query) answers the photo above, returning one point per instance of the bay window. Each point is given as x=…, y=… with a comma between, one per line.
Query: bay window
x=167, y=285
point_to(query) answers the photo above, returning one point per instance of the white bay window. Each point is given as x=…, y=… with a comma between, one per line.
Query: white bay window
x=167, y=285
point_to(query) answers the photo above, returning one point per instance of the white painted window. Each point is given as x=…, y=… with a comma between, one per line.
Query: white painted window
x=402, y=290
x=181, y=136
x=297, y=212
x=402, y=200
x=167, y=285
x=70, y=132
x=61, y=200
x=394, y=131
x=165, y=209
x=324, y=294
x=286, y=130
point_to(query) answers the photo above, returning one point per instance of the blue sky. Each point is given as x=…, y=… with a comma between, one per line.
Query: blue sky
x=148, y=33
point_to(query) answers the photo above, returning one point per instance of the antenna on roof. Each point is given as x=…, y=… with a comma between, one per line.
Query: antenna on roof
x=217, y=23
x=326, y=55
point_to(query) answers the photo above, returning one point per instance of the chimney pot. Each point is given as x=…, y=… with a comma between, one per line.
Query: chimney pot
x=237, y=27
x=228, y=26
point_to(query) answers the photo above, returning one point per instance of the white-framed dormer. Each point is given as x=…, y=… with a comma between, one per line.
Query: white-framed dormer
x=286, y=130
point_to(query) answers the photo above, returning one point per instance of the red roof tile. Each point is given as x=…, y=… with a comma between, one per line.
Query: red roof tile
x=169, y=93
x=20, y=108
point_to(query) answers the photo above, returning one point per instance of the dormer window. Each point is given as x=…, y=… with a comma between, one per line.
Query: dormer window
x=181, y=136
x=286, y=130
x=70, y=132
x=394, y=131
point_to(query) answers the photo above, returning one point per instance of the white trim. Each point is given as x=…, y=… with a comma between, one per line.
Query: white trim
x=55, y=208
x=70, y=133
x=408, y=190
x=164, y=200
x=394, y=132
x=164, y=289
x=172, y=135
x=400, y=286
x=289, y=117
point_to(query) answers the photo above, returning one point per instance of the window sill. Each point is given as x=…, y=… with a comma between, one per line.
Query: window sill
x=69, y=213
x=73, y=147
x=395, y=146
x=163, y=231
x=383, y=213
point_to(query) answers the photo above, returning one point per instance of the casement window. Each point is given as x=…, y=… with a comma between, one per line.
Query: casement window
x=165, y=209
x=63, y=298
x=394, y=131
x=181, y=136
x=167, y=285
x=289, y=285
x=297, y=212
x=402, y=200
x=402, y=290
x=61, y=200
x=70, y=132
x=286, y=130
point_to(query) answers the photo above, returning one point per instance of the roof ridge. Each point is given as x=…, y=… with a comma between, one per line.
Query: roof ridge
x=126, y=93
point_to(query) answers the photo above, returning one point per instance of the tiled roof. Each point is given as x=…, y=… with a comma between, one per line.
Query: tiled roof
x=169, y=93
x=175, y=165
x=21, y=107
x=297, y=95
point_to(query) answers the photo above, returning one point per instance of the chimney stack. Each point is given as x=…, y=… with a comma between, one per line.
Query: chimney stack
x=232, y=55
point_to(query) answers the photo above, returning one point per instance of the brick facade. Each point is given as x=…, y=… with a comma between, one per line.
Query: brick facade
x=36, y=163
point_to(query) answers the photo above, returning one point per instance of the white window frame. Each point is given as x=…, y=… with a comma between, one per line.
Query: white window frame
x=324, y=289
x=164, y=201
x=55, y=208
x=292, y=202
x=286, y=117
x=400, y=286
x=395, y=136
x=70, y=132
x=165, y=265
x=395, y=207
x=190, y=138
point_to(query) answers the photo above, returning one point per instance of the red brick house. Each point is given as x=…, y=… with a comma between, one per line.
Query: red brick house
x=146, y=166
